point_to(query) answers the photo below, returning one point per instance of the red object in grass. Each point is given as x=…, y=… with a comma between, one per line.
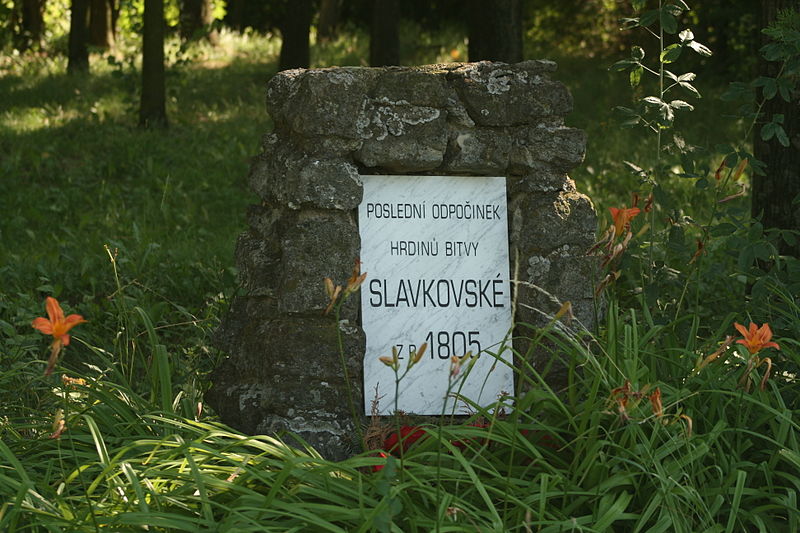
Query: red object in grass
x=378, y=468
x=407, y=436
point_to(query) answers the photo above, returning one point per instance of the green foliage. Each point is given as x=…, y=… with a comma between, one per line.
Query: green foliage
x=139, y=449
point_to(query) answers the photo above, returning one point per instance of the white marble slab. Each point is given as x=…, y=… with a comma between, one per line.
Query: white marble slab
x=435, y=250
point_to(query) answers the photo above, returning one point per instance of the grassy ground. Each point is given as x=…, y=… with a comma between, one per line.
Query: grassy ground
x=135, y=231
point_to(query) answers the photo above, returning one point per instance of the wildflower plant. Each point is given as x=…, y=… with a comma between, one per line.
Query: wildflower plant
x=57, y=325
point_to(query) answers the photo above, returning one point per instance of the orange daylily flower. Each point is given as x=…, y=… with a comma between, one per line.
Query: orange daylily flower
x=58, y=326
x=755, y=338
x=355, y=280
x=622, y=218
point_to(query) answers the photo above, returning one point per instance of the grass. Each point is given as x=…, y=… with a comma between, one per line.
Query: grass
x=135, y=231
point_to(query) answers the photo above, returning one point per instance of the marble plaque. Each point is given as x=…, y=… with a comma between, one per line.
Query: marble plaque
x=435, y=250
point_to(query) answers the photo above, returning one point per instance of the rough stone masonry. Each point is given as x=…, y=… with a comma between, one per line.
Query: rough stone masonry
x=330, y=125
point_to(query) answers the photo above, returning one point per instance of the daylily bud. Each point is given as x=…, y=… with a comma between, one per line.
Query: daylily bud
x=419, y=353
x=655, y=401
x=740, y=169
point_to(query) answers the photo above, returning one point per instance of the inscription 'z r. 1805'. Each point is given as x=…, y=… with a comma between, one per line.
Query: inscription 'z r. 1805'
x=438, y=293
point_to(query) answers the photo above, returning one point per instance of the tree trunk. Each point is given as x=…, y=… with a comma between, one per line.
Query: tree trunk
x=234, y=14
x=78, y=55
x=152, y=111
x=329, y=12
x=776, y=195
x=101, y=27
x=384, y=35
x=31, y=24
x=495, y=30
x=196, y=19
x=295, y=25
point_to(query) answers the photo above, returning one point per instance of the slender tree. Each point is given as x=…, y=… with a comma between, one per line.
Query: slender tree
x=31, y=24
x=101, y=26
x=776, y=195
x=384, y=35
x=152, y=109
x=495, y=30
x=295, y=24
x=329, y=13
x=196, y=17
x=234, y=14
x=78, y=54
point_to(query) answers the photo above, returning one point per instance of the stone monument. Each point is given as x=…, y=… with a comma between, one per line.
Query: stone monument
x=497, y=128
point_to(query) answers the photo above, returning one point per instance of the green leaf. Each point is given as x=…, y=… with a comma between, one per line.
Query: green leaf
x=649, y=17
x=731, y=159
x=785, y=88
x=653, y=100
x=701, y=49
x=777, y=118
x=769, y=89
x=624, y=64
x=636, y=76
x=689, y=87
x=780, y=134
x=673, y=10
x=629, y=23
x=666, y=113
x=768, y=131
x=638, y=4
x=671, y=53
x=683, y=5
x=737, y=90
x=680, y=104
x=670, y=75
x=689, y=76
x=724, y=148
x=723, y=229
x=668, y=21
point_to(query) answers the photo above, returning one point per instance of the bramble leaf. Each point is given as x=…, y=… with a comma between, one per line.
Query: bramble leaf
x=680, y=104
x=623, y=64
x=701, y=49
x=671, y=53
x=689, y=87
x=668, y=21
x=636, y=76
x=649, y=17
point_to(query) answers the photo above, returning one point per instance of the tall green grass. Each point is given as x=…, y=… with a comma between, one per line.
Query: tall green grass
x=135, y=230
x=137, y=453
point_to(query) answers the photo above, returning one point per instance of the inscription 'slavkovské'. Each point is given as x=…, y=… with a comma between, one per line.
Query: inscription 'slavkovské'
x=435, y=249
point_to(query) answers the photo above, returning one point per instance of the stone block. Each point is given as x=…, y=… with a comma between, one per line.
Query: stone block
x=562, y=148
x=285, y=373
x=320, y=101
x=478, y=150
x=400, y=136
x=541, y=223
x=498, y=94
x=286, y=255
x=286, y=176
x=542, y=178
